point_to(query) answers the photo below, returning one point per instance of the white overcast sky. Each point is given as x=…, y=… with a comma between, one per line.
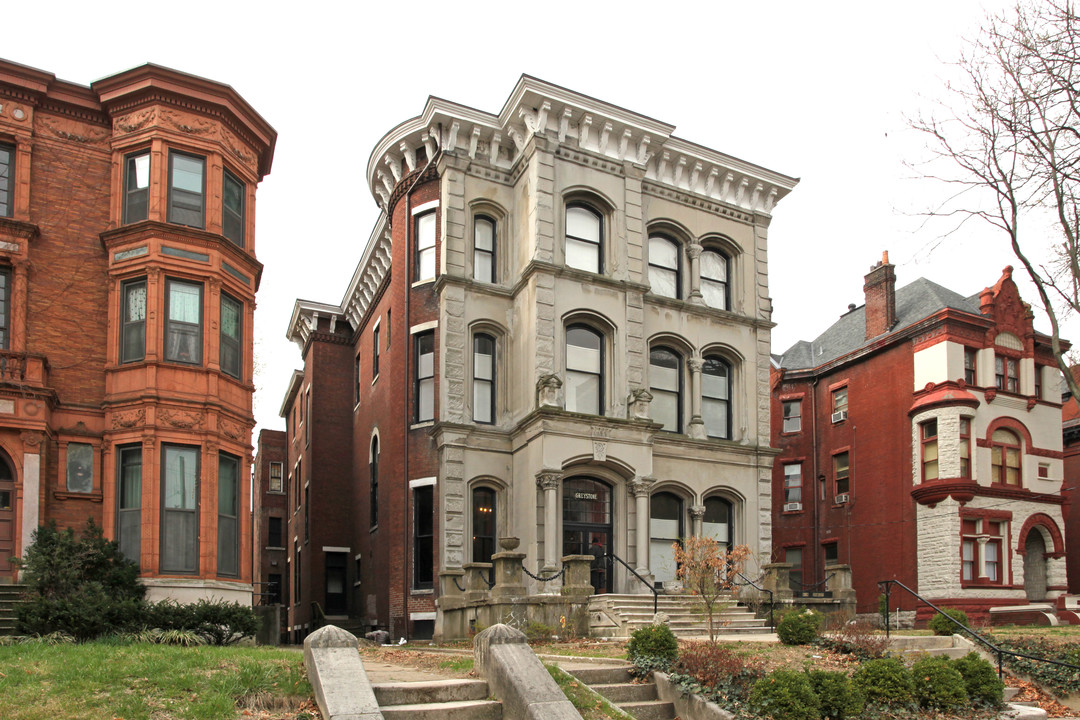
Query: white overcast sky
x=818, y=91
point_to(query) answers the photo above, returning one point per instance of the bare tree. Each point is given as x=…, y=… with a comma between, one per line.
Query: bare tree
x=709, y=570
x=1009, y=130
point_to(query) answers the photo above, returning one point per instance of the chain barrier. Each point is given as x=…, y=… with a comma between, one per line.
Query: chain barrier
x=556, y=576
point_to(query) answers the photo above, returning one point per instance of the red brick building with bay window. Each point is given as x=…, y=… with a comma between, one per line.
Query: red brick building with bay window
x=920, y=440
x=127, y=294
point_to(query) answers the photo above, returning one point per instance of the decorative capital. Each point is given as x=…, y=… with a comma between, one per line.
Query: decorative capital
x=693, y=251
x=641, y=486
x=697, y=511
x=696, y=364
x=549, y=479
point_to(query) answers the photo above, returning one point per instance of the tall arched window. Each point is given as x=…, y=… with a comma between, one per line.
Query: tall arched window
x=484, y=526
x=584, y=238
x=483, y=249
x=374, y=470
x=584, y=389
x=717, y=522
x=666, y=529
x=1005, y=457
x=716, y=397
x=665, y=384
x=714, y=279
x=664, y=266
x=483, y=378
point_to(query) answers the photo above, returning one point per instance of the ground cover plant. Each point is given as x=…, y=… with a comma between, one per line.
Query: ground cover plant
x=1061, y=680
x=104, y=680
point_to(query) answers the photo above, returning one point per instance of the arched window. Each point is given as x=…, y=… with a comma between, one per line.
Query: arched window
x=374, y=468
x=716, y=397
x=1005, y=457
x=714, y=279
x=584, y=238
x=665, y=384
x=584, y=389
x=664, y=276
x=483, y=378
x=483, y=249
x=717, y=522
x=666, y=528
x=484, y=526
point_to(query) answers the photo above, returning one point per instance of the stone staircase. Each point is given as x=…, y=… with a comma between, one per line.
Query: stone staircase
x=618, y=616
x=437, y=700
x=9, y=598
x=952, y=646
x=616, y=684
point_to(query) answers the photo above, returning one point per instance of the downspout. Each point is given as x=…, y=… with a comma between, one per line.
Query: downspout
x=407, y=415
x=816, y=491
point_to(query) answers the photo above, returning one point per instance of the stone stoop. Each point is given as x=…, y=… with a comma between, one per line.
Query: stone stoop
x=616, y=684
x=952, y=646
x=9, y=598
x=618, y=615
x=437, y=700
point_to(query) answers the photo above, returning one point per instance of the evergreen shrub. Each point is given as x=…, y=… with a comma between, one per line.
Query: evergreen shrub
x=980, y=680
x=885, y=681
x=839, y=697
x=938, y=684
x=940, y=625
x=799, y=627
x=785, y=694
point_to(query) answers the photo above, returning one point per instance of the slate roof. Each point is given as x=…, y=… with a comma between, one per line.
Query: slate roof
x=914, y=302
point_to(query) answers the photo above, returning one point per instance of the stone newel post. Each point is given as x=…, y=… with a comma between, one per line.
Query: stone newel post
x=576, y=581
x=508, y=575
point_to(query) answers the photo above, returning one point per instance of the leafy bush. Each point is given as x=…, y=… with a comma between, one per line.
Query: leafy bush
x=980, y=680
x=215, y=622
x=82, y=586
x=839, y=697
x=799, y=627
x=538, y=632
x=941, y=624
x=785, y=694
x=654, y=641
x=885, y=681
x=938, y=685
x=722, y=674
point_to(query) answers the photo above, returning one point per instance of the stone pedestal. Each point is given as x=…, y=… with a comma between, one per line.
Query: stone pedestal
x=476, y=581
x=576, y=578
x=777, y=579
x=450, y=583
x=838, y=581
x=509, y=580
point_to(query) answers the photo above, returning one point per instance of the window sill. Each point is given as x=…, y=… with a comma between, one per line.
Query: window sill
x=421, y=283
x=274, y=547
x=422, y=591
x=68, y=495
x=422, y=424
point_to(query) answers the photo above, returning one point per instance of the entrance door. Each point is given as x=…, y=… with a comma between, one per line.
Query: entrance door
x=7, y=522
x=1035, y=567
x=587, y=526
x=666, y=529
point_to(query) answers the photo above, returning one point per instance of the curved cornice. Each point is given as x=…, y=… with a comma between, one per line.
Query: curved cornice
x=579, y=123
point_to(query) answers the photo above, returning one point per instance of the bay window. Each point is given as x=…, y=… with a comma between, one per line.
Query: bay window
x=136, y=187
x=187, y=190
x=228, y=527
x=133, y=321
x=231, y=326
x=232, y=208
x=183, y=322
x=180, y=509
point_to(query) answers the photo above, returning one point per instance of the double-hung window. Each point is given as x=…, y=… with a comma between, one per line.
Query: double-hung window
x=274, y=537
x=1005, y=457
x=232, y=208
x=971, y=365
x=664, y=276
x=793, y=483
x=180, y=509
x=232, y=312
x=665, y=385
x=484, y=249
x=424, y=386
x=183, y=322
x=136, y=187
x=584, y=389
x=842, y=474
x=424, y=268
x=7, y=180
x=584, y=239
x=5, y=308
x=714, y=279
x=792, y=416
x=187, y=190
x=981, y=556
x=228, y=527
x=375, y=352
x=716, y=397
x=133, y=321
x=929, y=439
x=276, y=478
x=1006, y=374
x=129, y=501
x=965, y=447
x=423, y=537
x=483, y=378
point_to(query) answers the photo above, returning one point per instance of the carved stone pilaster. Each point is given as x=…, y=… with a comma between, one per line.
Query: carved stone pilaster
x=697, y=512
x=547, y=390
x=549, y=479
x=641, y=486
x=639, y=404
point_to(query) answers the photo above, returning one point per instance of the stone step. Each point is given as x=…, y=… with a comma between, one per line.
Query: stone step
x=603, y=674
x=437, y=691
x=456, y=710
x=920, y=642
x=620, y=693
x=650, y=710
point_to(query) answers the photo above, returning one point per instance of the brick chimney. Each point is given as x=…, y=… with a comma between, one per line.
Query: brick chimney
x=880, y=290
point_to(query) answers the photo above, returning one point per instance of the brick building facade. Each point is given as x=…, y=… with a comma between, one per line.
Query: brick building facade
x=127, y=285
x=920, y=440
x=559, y=331
x=270, y=509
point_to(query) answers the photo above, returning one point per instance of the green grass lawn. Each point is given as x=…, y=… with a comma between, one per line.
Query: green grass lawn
x=103, y=681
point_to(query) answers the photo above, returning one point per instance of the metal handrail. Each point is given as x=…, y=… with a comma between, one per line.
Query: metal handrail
x=656, y=596
x=1000, y=652
x=751, y=583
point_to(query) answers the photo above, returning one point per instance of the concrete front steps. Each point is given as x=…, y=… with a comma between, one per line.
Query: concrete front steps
x=952, y=646
x=437, y=700
x=9, y=599
x=618, y=615
x=616, y=684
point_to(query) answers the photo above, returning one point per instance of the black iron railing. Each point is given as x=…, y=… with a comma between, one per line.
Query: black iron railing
x=999, y=652
x=656, y=596
x=751, y=583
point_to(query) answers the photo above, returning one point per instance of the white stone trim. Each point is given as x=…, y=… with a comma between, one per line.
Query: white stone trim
x=420, y=209
x=423, y=327
x=422, y=482
x=422, y=616
x=333, y=548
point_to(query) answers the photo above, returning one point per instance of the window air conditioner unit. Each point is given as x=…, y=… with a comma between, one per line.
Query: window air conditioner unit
x=839, y=416
x=792, y=507
x=842, y=498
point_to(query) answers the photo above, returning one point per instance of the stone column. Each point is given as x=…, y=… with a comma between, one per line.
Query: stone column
x=31, y=488
x=640, y=488
x=697, y=512
x=693, y=251
x=696, y=428
x=550, y=481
